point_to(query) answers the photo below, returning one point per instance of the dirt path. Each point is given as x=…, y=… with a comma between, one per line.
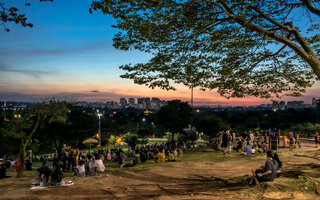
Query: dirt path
x=223, y=179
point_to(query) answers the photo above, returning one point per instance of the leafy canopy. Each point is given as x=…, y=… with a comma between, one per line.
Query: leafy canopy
x=12, y=14
x=175, y=116
x=239, y=47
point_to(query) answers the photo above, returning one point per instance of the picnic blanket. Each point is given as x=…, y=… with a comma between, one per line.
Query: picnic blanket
x=36, y=185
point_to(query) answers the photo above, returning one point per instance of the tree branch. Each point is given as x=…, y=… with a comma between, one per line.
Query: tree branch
x=311, y=8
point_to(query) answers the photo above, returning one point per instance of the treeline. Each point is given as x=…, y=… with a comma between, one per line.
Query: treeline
x=63, y=123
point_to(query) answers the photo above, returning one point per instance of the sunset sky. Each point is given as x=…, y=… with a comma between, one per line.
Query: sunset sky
x=69, y=52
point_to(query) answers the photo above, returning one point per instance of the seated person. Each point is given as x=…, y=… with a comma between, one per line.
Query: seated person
x=264, y=148
x=80, y=170
x=161, y=157
x=3, y=170
x=89, y=165
x=238, y=145
x=132, y=163
x=175, y=153
x=98, y=165
x=143, y=156
x=137, y=157
x=57, y=174
x=266, y=173
x=180, y=151
x=28, y=165
x=276, y=158
x=248, y=150
x=44, y=173
x=171, y=156
x=108, y=155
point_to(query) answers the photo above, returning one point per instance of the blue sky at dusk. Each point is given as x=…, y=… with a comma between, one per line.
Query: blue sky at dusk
x=69, y=52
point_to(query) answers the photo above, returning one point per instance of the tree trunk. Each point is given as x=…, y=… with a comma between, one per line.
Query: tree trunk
x=20, y=172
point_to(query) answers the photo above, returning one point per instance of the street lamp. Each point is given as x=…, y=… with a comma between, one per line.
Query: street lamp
x=99, y=131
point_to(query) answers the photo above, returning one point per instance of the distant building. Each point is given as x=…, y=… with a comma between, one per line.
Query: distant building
x=123, y=102
x=282, y=105
x=295, y=104
x=132, y=102
x=315, y=101
x=275, y=104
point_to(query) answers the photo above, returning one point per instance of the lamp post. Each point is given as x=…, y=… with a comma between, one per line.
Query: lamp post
x=99, y=131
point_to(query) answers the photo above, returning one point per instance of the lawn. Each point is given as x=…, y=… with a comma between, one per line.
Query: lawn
x=197, y=175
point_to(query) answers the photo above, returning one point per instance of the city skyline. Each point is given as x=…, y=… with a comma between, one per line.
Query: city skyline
x=69, y=53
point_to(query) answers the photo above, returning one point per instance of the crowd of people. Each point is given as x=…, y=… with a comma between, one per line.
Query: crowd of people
x=256, y=141
x=83, y=164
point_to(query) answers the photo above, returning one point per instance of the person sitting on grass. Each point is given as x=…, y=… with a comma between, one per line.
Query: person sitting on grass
x=57, y=174
x=266, y=173
x=79, y=170
x=276, y=158
x=132, y=163
x=171, y=156
x=248, y=150
x=161, y=157
x=238, y=145
x=44, y=173
x=143, y=156
x=89, y=165
x=98, y=165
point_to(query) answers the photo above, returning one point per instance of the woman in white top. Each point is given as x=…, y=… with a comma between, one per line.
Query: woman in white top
x=80, y=170
x=98, y=165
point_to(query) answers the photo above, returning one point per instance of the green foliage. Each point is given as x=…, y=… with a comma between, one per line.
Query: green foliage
x=307, y=128
x=211, y=125
x=190, y=136
x=144, y=132
x=143, y=141
x=112, y=139
x=175, y=116
x=240, y=48
x=131, y=139
x=172, y=137
x=12, y=15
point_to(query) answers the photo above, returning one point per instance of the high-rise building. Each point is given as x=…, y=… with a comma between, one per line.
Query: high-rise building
x=295, y=104
x=148, y=103
x=275, y=104
x=123, y=102
x=132, y=102
x=282, y=105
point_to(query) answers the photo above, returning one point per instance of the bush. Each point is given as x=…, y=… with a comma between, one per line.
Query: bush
x=131, y=139
x=112, y=140
x=190, y=136
x=172, y=138
x=143, y=141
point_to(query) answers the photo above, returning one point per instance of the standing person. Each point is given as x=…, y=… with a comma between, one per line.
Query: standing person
x=251, y=136
x=292, y=142
x=230, y=142
x=224, y=140
x=284, y=139
x=316, y=139
x=233, y=138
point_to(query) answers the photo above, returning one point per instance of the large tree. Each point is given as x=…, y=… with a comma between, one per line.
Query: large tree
x=241, y=47
x=175, y=116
